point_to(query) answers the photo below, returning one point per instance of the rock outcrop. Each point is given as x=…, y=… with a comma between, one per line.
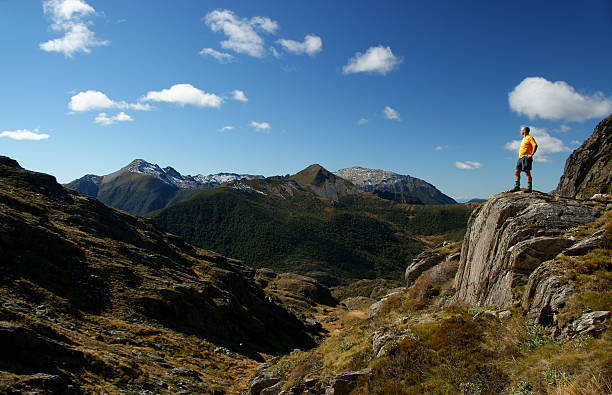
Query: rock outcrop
x=508, y=238
x=588, y=170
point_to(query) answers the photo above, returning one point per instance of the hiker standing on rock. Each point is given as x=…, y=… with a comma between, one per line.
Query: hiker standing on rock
x=526, y=152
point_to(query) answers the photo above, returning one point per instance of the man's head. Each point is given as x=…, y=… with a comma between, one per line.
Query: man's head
x=525, y=131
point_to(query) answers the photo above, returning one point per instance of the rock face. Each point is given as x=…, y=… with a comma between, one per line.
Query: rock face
x=371, y=180
x=508, y=238
x=588, y=170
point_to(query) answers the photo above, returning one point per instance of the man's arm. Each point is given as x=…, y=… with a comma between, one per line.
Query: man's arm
x=535, y=147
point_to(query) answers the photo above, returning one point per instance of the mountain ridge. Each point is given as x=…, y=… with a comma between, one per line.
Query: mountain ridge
x=371, y=180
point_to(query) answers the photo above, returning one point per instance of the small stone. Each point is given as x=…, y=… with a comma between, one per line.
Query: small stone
x=504, y=314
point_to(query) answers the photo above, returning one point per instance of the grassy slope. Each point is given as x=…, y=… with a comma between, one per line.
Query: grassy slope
x=461, y=350
x=356, y=237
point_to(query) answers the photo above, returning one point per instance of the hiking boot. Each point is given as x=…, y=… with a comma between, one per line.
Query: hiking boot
x=515, y=189
x=529, y=189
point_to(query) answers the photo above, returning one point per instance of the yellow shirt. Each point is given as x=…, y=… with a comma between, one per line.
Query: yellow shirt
x=527, y=146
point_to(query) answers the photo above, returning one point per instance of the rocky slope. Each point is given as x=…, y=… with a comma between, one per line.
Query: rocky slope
x=97, y=299
x=588, y=170
x=370, y=180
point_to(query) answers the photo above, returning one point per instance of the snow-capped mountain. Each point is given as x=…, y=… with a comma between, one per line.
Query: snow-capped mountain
x=371, y=180
x=172, y=177
x=142, y=187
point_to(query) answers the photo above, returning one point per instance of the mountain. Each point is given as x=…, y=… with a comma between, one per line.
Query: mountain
x=588, y=170
x=370, y=180
x=323, y=183
x=142, y=187
x=313, y=223
x=95, y=299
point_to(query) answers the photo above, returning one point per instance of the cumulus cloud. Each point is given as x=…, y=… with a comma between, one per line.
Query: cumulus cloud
x=24, y=134
x=239, y=95
x=260, y=126
x=375, y=60
x=391, y=114
x=441, y=147
x=225, y=129
x=243, y=34
x=69, y=17
x=311, y=45
x=183, y=94
x=222, y=57
x=575, y=142
x=468, y=165
x=95, y=100
x=362, y=121
x=105, y=120
x=538, y=97
x=546, y=145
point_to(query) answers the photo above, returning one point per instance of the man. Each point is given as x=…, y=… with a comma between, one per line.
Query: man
x=526, y=152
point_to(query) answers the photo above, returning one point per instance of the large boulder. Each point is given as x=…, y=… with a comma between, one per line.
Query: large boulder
x=506, y=240
x=588, y=170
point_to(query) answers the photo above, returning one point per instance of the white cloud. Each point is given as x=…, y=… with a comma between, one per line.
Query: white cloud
x=441, y=147
x=66, y=10
x=239, y=95
x=546, y=145
x=222, y=57
x=375, y=60
x=538, y=97
x=225, y=129
x=95, y=100
x=260, y=126
x=311, y=45
x=575, y=142
x=565, y=128
x=242, y=33
x=468, y=165
x=391, y=113
x=24, y=134
x=362, y=121
x=184, y=94
x=68, y=17
x=105, y=120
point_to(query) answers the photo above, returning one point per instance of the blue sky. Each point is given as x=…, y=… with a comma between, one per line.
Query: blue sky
x=436, y=90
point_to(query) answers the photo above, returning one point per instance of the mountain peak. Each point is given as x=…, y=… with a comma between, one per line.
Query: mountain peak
x=314, y=174
x=323, y=183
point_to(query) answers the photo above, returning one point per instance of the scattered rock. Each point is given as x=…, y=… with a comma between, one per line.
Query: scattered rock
x=261, y=382
x=344, y=383
x=588, y=324
x=274, y=389
x=382, y=338
x=587, y=244
x=223, y=350
x=356, y=302
x=504, y=314
x=424, y=261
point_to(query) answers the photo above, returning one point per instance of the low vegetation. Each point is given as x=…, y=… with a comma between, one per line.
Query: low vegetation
x=355, y=237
